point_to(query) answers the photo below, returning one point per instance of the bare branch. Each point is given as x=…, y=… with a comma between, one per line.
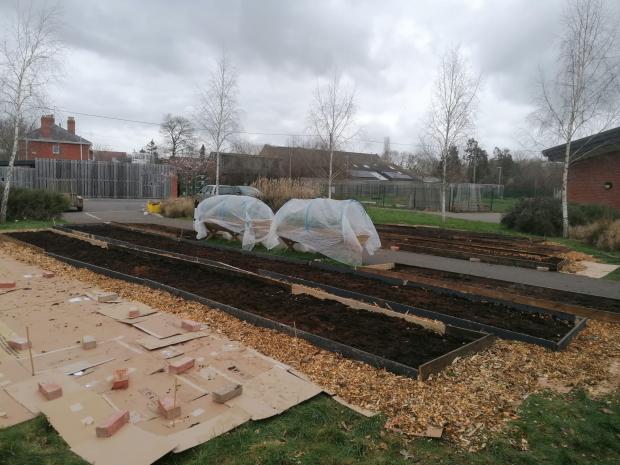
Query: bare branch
x=27, y=61
x=332, y=116
x=178, y=134
x=583, y=98
x=452, y=108
x=218, y=114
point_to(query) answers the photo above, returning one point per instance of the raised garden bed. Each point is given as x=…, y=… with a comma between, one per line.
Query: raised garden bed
x=505, y=319
x=391, y=343
x=507, y=250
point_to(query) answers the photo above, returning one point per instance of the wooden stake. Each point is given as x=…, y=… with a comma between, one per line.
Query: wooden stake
x=30, y=350
x=174, y=402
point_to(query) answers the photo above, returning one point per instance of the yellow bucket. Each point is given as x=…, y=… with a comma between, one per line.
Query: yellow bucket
x=153, y=207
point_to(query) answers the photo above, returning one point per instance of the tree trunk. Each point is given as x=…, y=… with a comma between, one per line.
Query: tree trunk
x=443, y=186
x=217, y=172
x=565, y=191
x=9, y=173
x=331, y=164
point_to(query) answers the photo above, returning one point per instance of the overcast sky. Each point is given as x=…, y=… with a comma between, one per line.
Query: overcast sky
x=140, y=60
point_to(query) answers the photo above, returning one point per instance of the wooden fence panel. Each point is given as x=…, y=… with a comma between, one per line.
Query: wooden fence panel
x=97, y=179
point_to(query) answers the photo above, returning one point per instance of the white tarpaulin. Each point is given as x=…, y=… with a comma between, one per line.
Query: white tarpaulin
x=339, y=229
x=247, y=216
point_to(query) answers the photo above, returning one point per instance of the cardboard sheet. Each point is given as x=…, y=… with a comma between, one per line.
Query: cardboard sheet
x=27, y=392
x=11, y=411
x=210, y=429
x=277, y=389
x=76, y=416
x=152, y=343
x=11, y=372
x=120, y=311
x=58, y=324
x=161, y=326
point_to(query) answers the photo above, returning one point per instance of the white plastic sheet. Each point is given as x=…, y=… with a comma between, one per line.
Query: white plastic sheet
x=244, y=215
x=339, y=229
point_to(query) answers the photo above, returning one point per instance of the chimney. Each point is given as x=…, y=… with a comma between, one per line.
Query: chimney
x=47, y=121
x=71, y=124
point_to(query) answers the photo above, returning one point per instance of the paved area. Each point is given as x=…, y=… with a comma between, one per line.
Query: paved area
x=552, y=280
x=488, y=217
x=122, y=211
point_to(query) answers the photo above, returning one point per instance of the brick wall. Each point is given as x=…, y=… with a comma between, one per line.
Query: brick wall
x=44, y=150
x=586, y=180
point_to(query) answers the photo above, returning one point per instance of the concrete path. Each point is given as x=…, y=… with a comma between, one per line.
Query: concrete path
x=549, y=279
x=487, y=217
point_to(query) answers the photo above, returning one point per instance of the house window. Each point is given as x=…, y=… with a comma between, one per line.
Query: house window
x=56, y=149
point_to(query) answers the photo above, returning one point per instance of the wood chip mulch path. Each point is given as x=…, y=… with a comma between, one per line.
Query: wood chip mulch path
x=471, y=399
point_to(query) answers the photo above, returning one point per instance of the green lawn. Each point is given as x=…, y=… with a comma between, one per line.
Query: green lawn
x=29, y=224
x=552, y=429
x=500, y=205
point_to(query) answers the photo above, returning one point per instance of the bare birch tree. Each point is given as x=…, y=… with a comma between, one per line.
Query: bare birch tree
x=27, y=61
x=178, y=134
x=218, y=113
x=331, y=118
x=452, y=107
x=583, y=97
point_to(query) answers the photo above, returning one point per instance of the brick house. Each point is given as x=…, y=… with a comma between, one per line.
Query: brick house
x=53, y=141
x=594, y=172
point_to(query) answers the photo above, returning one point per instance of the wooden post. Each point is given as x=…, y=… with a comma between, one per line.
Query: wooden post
x=30, y=350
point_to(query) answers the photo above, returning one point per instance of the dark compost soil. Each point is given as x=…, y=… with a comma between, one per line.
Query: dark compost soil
x=502, y=316
x=391, y=338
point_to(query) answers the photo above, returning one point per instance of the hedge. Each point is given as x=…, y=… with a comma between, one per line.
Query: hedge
x=543, y=216
x=34, y=204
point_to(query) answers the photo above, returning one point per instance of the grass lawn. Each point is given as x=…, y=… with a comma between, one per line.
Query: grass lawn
x=500, y=205
x=29, y=224
x=384, y=215
x=553, y=429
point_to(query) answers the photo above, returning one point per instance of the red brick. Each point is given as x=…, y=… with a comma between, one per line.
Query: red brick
x=48, y=274
x=112, y=424
x=227, y=392
x=133, y=313
x=190, y=325
x=181, y=365
x=19, y=343
x=50, y=391
x=120, y=379
x=7, y=284
x=168, y=409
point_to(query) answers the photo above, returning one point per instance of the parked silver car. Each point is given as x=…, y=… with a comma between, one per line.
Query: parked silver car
x=209, y=191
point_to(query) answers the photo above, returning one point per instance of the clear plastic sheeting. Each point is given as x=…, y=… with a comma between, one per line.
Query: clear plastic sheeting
x=241, y=215
x=338, y=229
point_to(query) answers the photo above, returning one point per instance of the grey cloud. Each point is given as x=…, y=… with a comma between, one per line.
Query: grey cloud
x=139, y=60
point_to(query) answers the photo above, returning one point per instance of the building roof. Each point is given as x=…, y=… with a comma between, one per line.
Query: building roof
x=318, y=154
x=109, y=155
x=587, y=147
x=57, y=135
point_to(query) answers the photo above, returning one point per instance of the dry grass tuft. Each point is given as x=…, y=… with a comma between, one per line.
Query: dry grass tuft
x=182, y=207
x=276, y=192
x=603, y=234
